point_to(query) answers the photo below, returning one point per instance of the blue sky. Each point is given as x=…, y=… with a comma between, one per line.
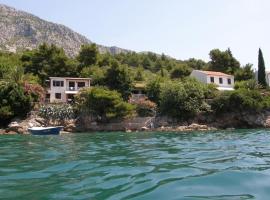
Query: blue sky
x=179, y=28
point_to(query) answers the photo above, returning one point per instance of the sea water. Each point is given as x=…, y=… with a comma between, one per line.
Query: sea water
x=198, y=165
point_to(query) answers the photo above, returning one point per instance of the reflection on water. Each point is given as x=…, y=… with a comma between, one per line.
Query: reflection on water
x=215, y=165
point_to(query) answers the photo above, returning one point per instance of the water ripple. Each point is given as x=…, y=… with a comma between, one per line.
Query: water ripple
x=216, y=165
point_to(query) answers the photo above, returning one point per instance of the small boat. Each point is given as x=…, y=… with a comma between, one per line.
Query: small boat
x=45, y=130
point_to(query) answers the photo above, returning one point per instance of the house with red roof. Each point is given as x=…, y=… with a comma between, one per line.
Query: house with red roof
x=222, y=80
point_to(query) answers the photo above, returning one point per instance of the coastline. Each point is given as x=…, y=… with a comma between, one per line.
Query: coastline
x=228, y=121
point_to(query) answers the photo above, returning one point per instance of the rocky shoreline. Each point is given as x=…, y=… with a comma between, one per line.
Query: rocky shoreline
x=155, y=124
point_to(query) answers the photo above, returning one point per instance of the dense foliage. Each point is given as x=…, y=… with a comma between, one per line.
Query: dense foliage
x=14, y=102
x=168, y=89
x=103, y=103
x=182, y=99
x=144, y=107
x=57, y=112
x=117, y=78
x=48, y=60
x=240, y=100
x=248, y=84
x=223, y=61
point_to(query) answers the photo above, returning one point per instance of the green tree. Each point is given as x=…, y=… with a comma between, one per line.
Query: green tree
x=261, y=70
x=118, y=78
x=153, y=89
x=196, y=64
x=13, y=102
x=97, y=74
x=223, y=61
x=244, y=73
x=88, y=55
x=182, y=100
x=103, y=103
x=46, y=61
x=8, y=61
x=240, y=100
x=139, y=75
x=180, y=71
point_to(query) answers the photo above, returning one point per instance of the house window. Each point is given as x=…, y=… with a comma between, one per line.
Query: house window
x=71, y=84
x=58, y=83
x=57, y=95
x=229, y=81
x=220, y=80
x=212, y=79
x=81, y=84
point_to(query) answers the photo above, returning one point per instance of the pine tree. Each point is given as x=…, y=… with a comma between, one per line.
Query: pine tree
x=261, y=70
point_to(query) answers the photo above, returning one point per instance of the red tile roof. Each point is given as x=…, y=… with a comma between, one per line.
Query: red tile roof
x=212, y=73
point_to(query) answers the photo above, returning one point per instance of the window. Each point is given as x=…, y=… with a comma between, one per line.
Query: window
x=71, y=84
x=58, y=83
x=220, y=80
x=81, y=84
x=229, y=81
x=212, y=79
x=58, y=95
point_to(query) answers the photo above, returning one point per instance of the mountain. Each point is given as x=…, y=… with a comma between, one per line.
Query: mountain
x=20, y=30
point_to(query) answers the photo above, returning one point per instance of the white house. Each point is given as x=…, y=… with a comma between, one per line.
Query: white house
x=63, y=89
x=222, y=80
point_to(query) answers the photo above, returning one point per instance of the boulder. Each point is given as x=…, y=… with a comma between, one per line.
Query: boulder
x=144, y=128
x=14, y=126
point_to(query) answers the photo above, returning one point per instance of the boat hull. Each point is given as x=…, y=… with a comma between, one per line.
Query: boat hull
x=45, y=131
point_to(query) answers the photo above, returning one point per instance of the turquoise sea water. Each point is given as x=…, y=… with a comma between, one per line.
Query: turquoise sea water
x=215, y=165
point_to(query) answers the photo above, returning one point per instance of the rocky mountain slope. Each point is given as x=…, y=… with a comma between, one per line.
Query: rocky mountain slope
x=20, y=30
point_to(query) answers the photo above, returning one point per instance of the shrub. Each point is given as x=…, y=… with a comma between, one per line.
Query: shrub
x=13, y=102
x=57, y=112
x=182, y=100
x=249, y=84
x=153, y=90
x=144, y=107
x=35, y=91
x=211, y=91
x=240, y=100
x=103, y=104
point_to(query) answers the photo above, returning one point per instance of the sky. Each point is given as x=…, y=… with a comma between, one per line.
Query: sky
x=179, y=28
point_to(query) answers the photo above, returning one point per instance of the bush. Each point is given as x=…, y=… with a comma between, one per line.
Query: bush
x=145, y=107
x=57, y=112
x=240, y=100
x=13, y=102
x=182, y=100
x=211, y=91
x=103, y=104
x=36, y=92
x=249, y=84
x=153, y=90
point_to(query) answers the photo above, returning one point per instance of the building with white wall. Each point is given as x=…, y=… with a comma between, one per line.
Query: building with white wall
x=222, y=80
x=63, y=89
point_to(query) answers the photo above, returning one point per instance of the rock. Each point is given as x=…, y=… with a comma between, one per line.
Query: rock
x=8, y=132
x=39, y=120
x=144, y=128
x=14, y=126
x=21, y=30
x=195, y=127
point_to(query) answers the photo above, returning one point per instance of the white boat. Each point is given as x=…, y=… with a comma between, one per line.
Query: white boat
x=45, y=130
